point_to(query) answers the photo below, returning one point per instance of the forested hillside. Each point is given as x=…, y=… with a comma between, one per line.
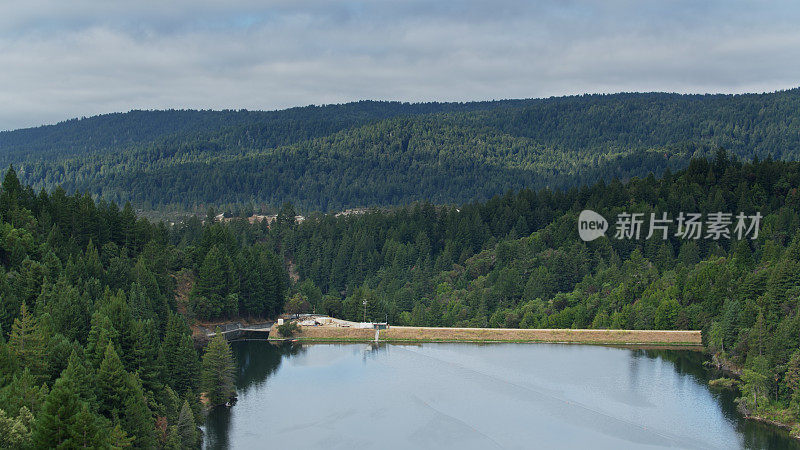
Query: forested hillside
x=517, y=261
x=111, y=133
x=382, y=153
x=93, y=351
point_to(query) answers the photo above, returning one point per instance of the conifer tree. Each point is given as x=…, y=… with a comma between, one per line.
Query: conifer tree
x=139, y=302
x=792, y=381
x=15, y=432
x=137, y=419
x=218, y=369
x=24, y=390
x=67, y=422
x=182, y=363
x=60, y=412
x=27, y=341
x=758, y=336
x=88, y=430
x=119, y=313
x=171, y=403
x=214, y=283
x=173, y=441
x=101, y=334
x=187, y=428
x=127, y=226
x=146, y=355
x=94, y=268
x=7, y=361
x=9, y=197
x=112, y=384
x=81, y=377
x=68, y=309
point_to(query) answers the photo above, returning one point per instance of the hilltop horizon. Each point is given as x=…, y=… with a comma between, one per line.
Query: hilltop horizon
x=720, y=92
x=374, y=153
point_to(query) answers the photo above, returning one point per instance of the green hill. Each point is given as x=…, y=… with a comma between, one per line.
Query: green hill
x=387, y=153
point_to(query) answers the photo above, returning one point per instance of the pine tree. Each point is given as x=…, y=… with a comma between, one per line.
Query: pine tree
x=275, y=285
x=66, y=421
x=60, y=410
x=758, y=335
x=173, y=441
x=792, y=381
x=27, y=341
x=171, y=404
x=137, y=419
x=24, y=390
x=10, y=304
x=87, y=430
x=94, y=268
x=112, y=384
x=147, y=357
x=218, y=369
x=81, y=377
x=9, y=197
x=126, y=235
x=101, y=334
x=182, y=364
x=743, y=256
x=140, y=302
x=6, y=360
x=120, y=315
x=146, y=280
x=286, y=216
x=187, y=428
x=68, y=309
x=213, y=284
x=15, y=432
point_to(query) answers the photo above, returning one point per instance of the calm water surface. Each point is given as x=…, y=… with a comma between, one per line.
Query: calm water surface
x=469, y=396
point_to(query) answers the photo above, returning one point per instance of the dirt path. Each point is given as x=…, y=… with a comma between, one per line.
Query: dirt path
x=428, y=334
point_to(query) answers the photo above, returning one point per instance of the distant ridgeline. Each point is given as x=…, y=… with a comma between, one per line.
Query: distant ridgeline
x=331, y=158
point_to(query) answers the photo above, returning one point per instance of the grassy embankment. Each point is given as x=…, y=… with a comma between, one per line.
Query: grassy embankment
x=428, y=334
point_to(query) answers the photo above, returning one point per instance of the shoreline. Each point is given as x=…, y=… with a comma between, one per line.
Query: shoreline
x=725, y=366
x=639, y=339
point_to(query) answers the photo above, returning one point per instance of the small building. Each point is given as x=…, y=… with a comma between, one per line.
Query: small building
x=373, y=325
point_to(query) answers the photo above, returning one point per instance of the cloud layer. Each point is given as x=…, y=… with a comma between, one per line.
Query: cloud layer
x=79, y=58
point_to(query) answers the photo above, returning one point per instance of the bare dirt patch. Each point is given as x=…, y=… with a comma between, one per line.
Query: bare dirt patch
x=184, y=281
x=429, y=334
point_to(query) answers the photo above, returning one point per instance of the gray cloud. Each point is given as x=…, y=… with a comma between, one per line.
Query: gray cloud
x=66, y=59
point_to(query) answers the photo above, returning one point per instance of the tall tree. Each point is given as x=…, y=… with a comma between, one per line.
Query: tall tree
x=214, y=284
x=15, y=432
x=218, y=369
x=182, y=363
x=112, y=381
x=137, y=419
x=187, y=429
x=67, y=422
x=27, y=341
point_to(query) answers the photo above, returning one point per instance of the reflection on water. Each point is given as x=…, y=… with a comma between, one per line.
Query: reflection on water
x=478, y=396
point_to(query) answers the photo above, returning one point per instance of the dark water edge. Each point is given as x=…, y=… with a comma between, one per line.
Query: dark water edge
x=756, y=434
x=259, y=363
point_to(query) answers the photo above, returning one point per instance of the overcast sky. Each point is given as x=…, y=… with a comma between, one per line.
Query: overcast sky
x=62, y=59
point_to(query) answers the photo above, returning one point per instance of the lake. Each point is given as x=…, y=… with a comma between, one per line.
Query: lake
x=469, y=396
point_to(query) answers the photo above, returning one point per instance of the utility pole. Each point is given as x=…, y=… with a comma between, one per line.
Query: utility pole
x=365, y=310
